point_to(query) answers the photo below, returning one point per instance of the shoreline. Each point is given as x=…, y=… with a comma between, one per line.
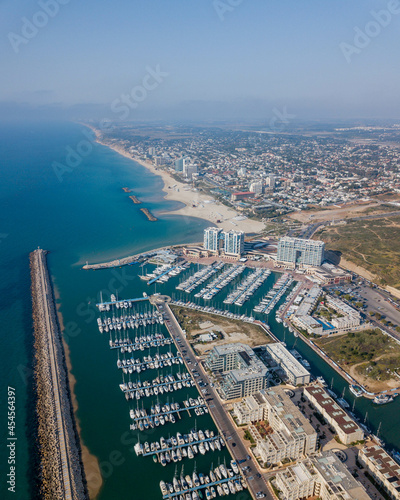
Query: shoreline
x=197, y=204
x=94, y=480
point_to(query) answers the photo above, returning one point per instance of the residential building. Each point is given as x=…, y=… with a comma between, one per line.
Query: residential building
x=256, y=187
x=213, y=239
x=270, y=181
x=335, y=481
x=180, y=163
x=234, y=243
x=347, y=430
x=323, y=476
x=189, y=169
x=250, y=409
x=289, y=435
x=231, y=243
x=294, y=370
x=300, y=252
x=160, y=160
x=241, y=195
x=309, y=324
x=302, y=317
x=239, y=371
x=297, y=481
x=341, y=306
x=292, y=432
x=384, y=469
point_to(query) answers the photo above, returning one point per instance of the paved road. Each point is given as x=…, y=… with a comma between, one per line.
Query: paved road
x=46, y=296
x=222, y=420
x=376, y=300
x=377, y=216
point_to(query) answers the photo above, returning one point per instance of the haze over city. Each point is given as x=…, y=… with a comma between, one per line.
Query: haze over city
x=224, y=59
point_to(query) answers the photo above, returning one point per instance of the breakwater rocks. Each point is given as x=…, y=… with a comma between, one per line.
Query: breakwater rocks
x=148, y=214
x=135, y=200
x=61, y=474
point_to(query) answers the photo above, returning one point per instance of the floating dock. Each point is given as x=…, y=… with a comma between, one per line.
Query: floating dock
x=185, y=445
x=176, y=494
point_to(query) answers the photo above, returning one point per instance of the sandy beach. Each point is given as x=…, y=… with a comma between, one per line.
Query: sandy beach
x=196, y=204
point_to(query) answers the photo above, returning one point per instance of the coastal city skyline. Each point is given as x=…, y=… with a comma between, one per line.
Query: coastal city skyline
x=199, y=234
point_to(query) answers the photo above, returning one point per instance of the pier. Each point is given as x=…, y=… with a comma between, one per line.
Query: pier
x=136, y=346
x=159, y=362
x=148, y=214
x=199, y=277
x=100, y=305
x=220, y=282
x=126, y=261
x=154, y=280
x=176, y=494
x=169, y=412
x=247, y=287
x=183, y=382
x=62, y=474
x=184, y=445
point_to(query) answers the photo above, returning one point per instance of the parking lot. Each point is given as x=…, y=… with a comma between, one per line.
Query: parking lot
x=373, y=299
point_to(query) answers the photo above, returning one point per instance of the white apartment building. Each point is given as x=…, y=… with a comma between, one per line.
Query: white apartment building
x=323, y=476
x=212, y=239
x=231, y=243
x=300, y=252
x=384, y=469
x=242, y=373
x=347, y=430
x=256, y=187
x=292, y=436
x=294, y=370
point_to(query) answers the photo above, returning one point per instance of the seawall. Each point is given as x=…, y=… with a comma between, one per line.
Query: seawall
x=61, y=473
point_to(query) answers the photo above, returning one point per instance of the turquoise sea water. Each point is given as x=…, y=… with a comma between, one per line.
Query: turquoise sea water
x=87, y=216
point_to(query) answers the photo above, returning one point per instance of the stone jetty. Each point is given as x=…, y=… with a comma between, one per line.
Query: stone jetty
x=61, y=474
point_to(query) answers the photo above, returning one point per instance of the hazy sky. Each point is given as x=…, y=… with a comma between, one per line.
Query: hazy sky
x=224, y=59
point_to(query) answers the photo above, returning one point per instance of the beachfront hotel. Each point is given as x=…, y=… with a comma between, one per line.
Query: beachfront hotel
x=300, y=252
x=212, y=239
x=234, y=242
x=229, y=243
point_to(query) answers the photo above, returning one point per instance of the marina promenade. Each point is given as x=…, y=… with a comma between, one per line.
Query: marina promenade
x=62, y=476
x=217, y=411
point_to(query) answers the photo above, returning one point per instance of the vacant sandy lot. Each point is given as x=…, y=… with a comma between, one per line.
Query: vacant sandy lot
x=232, y=331
x=348, y=211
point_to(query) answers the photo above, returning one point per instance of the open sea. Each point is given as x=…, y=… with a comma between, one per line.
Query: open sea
x=83, y=215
